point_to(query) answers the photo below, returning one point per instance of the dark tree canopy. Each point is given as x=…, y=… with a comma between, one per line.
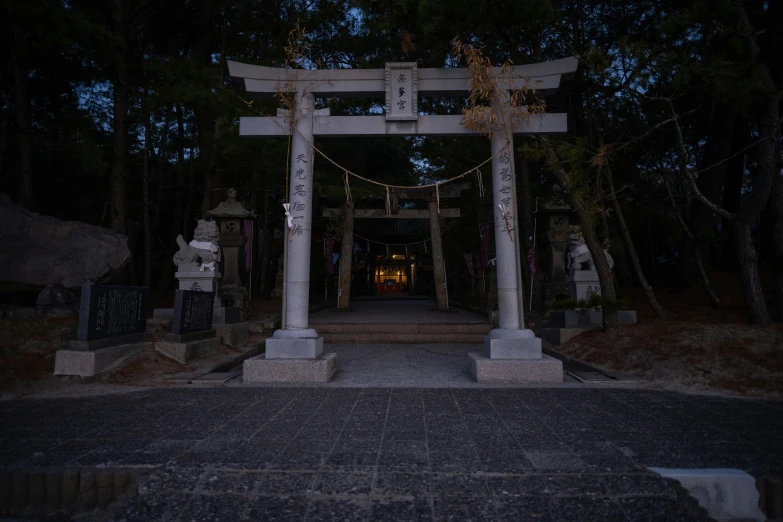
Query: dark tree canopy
x=674, y=120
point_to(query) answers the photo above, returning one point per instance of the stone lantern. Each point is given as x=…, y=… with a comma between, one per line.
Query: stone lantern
x=229, y=215
x=555, y=217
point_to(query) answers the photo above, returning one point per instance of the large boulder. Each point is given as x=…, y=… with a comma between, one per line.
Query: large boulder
x=42, y=250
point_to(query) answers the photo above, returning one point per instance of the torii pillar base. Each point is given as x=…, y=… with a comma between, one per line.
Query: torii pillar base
x=514, y=356
x=294, y=355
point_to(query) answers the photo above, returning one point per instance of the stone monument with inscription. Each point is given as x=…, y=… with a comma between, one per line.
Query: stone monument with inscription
x=112, y=327
x=192, y=336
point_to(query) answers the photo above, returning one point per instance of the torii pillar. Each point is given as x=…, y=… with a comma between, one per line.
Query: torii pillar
x=438, y=270
x=295, y=353
x=512, y=353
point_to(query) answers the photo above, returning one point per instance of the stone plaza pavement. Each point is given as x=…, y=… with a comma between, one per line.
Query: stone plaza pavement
x=346, y=454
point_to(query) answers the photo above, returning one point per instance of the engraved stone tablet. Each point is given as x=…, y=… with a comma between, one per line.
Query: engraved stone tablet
x=192, y=312
x=402, y=99
x=112, y=311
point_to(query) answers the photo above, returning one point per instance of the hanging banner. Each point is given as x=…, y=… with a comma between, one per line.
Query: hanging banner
x=469, y=262
x=248, y=233
x=484, y=234
x=329, y=249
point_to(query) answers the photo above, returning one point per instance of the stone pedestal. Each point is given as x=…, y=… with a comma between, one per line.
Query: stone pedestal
x=558, y=336
x=583, y=284
x=189, y=347
x=567, y=324
x=261, y=369
x=88, y=363
x=545, y=369
x=206, y=281
x=576, y=319
x=513, y=356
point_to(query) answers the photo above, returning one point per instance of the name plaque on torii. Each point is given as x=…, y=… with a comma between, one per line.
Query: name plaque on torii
x=402, y=98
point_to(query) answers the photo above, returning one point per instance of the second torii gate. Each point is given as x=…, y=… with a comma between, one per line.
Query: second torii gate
x=512, y=353
x=433, y=213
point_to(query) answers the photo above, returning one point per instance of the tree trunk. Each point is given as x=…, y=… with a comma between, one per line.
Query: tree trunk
x=3, y=144
x=120, y=123
x=179, y=191
x=587, y=225
x=750, y=281
x=776, y=211
x=206, y=126
x=146, y=197
x=187, y=232
x=178, y=225
x=648, y=291
x=209, y=124
x=256, y=240
x=266, y=246
x=732, y=187
x=23, y=139
x=161, y=174
x=767, y=164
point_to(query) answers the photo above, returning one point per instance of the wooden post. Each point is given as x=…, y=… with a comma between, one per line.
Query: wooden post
x=346, y=258
x=437, y=257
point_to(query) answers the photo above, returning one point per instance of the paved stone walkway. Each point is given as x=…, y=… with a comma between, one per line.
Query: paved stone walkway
x=403, y=365
x=397, y=454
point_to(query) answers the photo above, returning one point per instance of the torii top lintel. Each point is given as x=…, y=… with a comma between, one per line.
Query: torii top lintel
x=402, y=83
x=260, y=81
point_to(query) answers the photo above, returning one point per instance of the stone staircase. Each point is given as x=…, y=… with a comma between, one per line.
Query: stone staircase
x=393, y=333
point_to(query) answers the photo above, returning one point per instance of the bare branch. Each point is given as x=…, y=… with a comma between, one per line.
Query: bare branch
x=687, y=173
x=652, y=129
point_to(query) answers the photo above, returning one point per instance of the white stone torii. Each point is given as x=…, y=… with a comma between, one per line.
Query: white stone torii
x=510, y=349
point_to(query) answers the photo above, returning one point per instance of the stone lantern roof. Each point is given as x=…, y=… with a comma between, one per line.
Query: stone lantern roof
x=555, y=203
x=230, y=208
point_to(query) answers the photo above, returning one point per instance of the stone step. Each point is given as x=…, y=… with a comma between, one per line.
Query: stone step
x=402, y=338
x=403, y=328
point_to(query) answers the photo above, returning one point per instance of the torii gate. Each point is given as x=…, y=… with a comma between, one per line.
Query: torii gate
x=433, y=214
x=296, y=352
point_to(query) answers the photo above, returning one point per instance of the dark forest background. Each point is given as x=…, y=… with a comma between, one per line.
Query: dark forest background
x=120, y=113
